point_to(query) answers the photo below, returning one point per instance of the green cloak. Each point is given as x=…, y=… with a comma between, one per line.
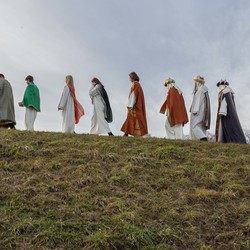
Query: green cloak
x=32, y=97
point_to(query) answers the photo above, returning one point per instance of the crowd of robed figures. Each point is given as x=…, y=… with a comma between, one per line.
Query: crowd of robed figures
x=228, y=127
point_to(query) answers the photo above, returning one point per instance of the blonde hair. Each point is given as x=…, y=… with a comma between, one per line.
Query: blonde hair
x=69, y=80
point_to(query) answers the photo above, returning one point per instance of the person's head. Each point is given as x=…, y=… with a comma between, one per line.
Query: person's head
x=134, y=77
x=222, y=84
x=168, y=82
x=69, y=80
x=2, y=76
x=95, y=81
x=29, y=79
x=199, y=80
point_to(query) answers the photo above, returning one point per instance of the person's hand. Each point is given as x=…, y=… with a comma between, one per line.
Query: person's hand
x=20, y=104
x=195, y=113
x=60, y=108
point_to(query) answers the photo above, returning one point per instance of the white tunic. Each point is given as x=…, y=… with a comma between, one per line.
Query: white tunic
x=174, y=132
x=131, y=100
x=98, y=123
x=197, y=131
x=30, y=117
x=68, y=111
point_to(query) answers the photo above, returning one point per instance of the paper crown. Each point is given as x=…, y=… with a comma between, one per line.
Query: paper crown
x=168, y=81
x=222, y=82
x=199, y=79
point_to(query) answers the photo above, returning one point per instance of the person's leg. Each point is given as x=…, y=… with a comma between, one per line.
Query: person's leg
x=169, y=130
x=178, y=129
x=30, y=117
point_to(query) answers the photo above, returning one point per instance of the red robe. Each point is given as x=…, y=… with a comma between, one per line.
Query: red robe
x=177, y=113
x=136, y=122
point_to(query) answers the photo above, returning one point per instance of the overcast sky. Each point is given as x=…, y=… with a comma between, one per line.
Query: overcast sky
x=108, y=39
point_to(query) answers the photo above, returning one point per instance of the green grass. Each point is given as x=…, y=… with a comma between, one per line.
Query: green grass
x=64, y=191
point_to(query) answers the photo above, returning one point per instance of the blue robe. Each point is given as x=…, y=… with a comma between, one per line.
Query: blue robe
x=228, y=127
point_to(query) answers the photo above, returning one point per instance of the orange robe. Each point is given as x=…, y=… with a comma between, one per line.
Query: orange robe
x=175, y=105
x=136, y=122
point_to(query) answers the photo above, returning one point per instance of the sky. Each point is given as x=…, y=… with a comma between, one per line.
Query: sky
x=108, y=39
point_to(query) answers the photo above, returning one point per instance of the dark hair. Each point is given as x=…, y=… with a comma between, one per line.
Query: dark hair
x=29, y=78
x=134, y=77
x=1, y=75
x=222, y=83
x=96, y=81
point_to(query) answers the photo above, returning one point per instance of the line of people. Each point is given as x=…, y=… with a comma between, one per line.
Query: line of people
x=228, y=127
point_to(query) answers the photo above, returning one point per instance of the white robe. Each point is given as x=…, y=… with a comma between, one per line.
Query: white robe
x=30, y=117
x=68, y=111
x=98, y=123
x=197, y=131
x=174, y=132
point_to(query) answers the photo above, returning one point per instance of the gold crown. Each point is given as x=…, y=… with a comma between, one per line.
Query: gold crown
x=168, y=81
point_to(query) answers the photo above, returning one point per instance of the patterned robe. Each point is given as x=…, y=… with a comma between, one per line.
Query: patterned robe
x=136, y=122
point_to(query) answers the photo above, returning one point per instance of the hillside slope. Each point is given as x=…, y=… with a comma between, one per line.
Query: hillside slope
x=63, y=191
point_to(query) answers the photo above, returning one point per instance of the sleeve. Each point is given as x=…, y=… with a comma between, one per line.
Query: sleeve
x=131, y=100
x=196, y=102
x=223, y=108
x=94, y=91
x=64, y=98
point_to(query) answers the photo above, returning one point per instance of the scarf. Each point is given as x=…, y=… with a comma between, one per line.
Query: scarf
x=79, y=112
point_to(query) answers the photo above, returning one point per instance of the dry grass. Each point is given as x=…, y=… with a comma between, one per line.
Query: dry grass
x=62, y=191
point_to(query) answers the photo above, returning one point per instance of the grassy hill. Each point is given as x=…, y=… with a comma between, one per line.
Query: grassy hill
x=61, y=191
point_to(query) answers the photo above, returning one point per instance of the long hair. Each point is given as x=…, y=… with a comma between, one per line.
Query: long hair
x=134, y=77
x=96, y=81
x=69, y=80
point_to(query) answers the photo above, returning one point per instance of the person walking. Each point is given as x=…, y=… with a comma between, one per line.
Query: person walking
x=200, y=111
x=31, y=102
x=136, y=121
x=7, y=111
x=71, y=109
x=102, y=113
x=228, y=127
x=175, y=110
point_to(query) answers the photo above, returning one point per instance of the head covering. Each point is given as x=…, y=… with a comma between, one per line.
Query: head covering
x=221, y=82
x=199, y=79
x=168, y=81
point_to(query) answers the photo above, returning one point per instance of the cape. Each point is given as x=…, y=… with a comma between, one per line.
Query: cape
x=175, y=105
x=207, y=113
x=231, y=130
x=32, y=97
x=79, y=111
x=7, y=111
x=108, y=110
x=136, y=118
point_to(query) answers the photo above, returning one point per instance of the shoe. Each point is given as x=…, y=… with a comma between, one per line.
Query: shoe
x=110, y=134
x=203, y=139
x=125, y=134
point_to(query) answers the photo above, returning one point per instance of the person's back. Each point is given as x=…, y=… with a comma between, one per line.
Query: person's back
x=31, y=102
x=7, y=112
